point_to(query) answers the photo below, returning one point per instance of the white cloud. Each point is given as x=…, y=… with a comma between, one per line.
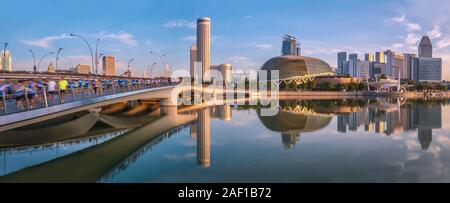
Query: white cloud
x=262, y=46
x=399, y=19
x=410, y=26
x=242, y=63
x=412, y=39
x=122, y=37
x=190, y=38
x=148, y=42
x=435, y=32
x=443, y=43
x=46, y=42
x=413, y=27
x=180, y=24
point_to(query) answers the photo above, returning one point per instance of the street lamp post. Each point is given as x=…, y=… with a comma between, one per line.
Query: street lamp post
x=4, y=55
x=42, y=58
x=98, y=61
x=163, y=61
x=90, y=49
x=34, y=60
x=57, y=58
x=150, y=69
x=96, y=56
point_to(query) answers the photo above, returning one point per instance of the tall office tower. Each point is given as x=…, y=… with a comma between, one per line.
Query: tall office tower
x=109, y=65
x=429, y=69
x=6, y=61
x=204, y=138
x=353, y=60
x=369, y=57
x=395, y=63
x=425, y=47
x=289, y=46
x=204, y=46
x=193, y=56
x=379, y=57
x=409, y=66
x=341, y=58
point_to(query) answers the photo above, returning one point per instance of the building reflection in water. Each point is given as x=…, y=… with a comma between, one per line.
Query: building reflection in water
x=292, y=120
x=201, y=131
x=422, y=118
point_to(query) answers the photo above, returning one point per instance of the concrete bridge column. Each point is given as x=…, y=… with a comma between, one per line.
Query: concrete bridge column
x=168, y=106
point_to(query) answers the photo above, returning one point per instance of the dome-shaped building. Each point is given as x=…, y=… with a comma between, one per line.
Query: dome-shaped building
x=297, y=66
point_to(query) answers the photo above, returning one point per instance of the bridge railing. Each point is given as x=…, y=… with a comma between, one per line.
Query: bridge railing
x=30, y=99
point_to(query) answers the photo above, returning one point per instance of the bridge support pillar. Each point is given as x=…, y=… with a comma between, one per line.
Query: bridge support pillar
x=168, y=106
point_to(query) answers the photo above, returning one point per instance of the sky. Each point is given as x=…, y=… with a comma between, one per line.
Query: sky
x=245, y=33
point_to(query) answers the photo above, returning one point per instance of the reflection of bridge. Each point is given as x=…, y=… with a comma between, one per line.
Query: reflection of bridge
x=90, y=164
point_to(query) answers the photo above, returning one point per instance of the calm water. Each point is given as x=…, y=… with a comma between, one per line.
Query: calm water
x=307, y=141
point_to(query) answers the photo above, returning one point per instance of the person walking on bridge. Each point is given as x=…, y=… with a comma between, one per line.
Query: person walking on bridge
x=62, y=86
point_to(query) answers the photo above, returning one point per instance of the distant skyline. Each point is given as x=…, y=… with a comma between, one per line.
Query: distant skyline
x=244, y=33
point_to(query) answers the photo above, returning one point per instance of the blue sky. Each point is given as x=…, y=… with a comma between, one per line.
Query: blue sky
x=244, y=32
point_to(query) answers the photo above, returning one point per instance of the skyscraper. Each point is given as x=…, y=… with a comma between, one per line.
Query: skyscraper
x=109, y=65
x=204, y=46
x=204, y=138
x=193, y=59
x=369, y=57
x=352, y=63
x=289, y=46
x=341, y=58
x=6, y=61
x=379, y=57
x=425, y=47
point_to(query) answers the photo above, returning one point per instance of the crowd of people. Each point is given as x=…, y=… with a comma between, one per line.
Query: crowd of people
x=27, y=93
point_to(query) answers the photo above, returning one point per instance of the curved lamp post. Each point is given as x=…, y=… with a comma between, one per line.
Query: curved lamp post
x=90, y=49
x=42, y=58
x=4, y=54
x=96, y=56
x=150, y=69
x=129, y=62
x=162, y=57
x=57, y=58
x=34, y=60
x=98, y=61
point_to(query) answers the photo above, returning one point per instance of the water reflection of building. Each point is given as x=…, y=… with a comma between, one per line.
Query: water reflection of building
x=201, y=130
x=379, y=119
x=204, y=138
x=289, y=140
x=292, y=124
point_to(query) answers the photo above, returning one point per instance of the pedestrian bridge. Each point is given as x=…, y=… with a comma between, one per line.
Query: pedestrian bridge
x=164, y=93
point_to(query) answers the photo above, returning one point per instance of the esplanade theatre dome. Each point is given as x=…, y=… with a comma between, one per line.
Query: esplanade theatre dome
x=294, y=66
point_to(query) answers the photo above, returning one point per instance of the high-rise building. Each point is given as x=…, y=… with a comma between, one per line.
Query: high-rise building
x=377, y=69
x=204, y=46
x=341, y=58
x=409, y=66
x=109, y=65
x=379, y=57
x=193, y=59
x=369, y=57
x=6, y=61
x=395, y=63
x=352, y=63
x=429, y=69
x=425, y=47
x=290, y=46
x=83, y=68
